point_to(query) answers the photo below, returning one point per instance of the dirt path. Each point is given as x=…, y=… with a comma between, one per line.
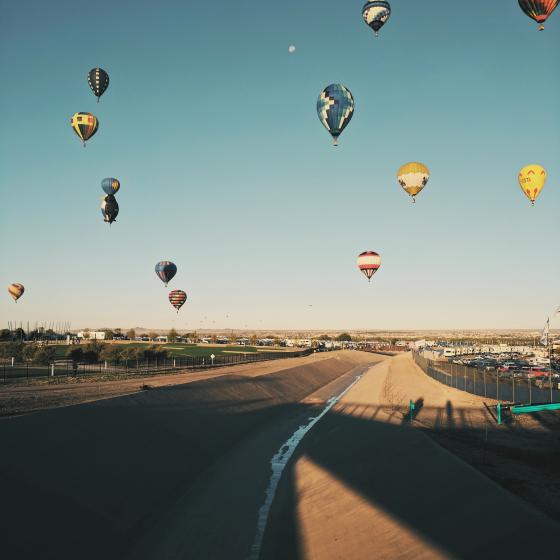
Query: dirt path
x=365, y=484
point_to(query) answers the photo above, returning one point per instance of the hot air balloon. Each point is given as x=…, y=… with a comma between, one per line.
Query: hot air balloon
x=85, y=125
x=376, y=14
x=16, y=290
x=335, y=108
x=109, y=208
x=98, y=81
x=413, y=177
x=539, y=10
x=531, y=180
x=165, y=271
x=177, y=299
x=369, y=262
x=110, y=185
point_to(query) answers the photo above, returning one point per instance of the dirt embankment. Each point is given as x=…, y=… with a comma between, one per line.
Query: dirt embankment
x=86, y=481
x=40, y=395
x=522, y=455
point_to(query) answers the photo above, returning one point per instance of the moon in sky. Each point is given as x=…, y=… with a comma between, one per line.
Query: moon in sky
x=291, y=49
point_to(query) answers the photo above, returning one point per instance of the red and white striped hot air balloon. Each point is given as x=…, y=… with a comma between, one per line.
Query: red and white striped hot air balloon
x=368, y=263
x=16, y=290
x=177, y=298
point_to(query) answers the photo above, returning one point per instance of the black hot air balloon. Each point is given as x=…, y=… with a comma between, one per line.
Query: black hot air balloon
x=109, y=208
x=98, y=81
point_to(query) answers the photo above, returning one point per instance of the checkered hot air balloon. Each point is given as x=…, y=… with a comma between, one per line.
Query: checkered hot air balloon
x=177, y=298
x=369, y=263
x=376, y=14
x=85, y=125
x=98, y=81
x=539, y=10
x=335, y=108
x=165, y=271
x=16, y=290
x=110, y=185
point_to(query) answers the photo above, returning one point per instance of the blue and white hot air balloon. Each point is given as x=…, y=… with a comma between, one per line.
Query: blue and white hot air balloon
x=335, y=108
x=376, y=13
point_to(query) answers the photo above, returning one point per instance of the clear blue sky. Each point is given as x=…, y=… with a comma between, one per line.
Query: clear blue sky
x=210, y=125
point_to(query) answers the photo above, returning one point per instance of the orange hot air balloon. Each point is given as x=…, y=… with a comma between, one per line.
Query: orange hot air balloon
x=539, y=10
x=16, y=290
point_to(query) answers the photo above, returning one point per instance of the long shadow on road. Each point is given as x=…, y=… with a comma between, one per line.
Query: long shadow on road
x=91, y=481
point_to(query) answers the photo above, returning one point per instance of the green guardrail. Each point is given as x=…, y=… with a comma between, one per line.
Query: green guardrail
x=524, y=408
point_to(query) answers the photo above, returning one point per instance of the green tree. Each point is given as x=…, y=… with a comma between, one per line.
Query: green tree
x=108, y=334
x=75, y=354
x=111, y=353
x=152, y=335
x=44, y=355
x=11, y=350
x=131, y=334
x=324, y=337
x=28, y=353
x=172, y=335
x=86, y=334
x=92, y=351
x=344, y=337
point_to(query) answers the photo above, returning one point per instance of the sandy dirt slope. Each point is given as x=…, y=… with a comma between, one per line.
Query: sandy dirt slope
x=90, y=481
x=20, y=398
x=365, y=484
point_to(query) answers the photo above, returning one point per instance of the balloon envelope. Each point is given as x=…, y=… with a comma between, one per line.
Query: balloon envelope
x=369, y=263
x=335, y=108
x=109, y=208
x=85, y=125
x=16, y=290
x=539, y=10
x=110, y=185
x=165, y=271
x=531, y=180
x=376, y=14
x=177, y=298
x=413, y=177
x=98, y=81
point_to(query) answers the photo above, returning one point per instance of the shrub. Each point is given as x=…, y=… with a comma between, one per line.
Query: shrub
x=111, y=353
x=44, y=355
x=11, y=350
x=75, y=354
x=153, y=352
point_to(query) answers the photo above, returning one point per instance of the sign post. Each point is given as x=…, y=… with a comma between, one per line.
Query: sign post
x=212, y=358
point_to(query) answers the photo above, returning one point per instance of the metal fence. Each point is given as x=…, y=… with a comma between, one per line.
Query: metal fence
x=68, y=368
x=490, y=383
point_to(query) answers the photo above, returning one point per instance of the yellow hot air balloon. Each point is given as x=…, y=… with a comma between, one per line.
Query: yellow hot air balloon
x=85, y=125
x=413, y=177
x=531, y=180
